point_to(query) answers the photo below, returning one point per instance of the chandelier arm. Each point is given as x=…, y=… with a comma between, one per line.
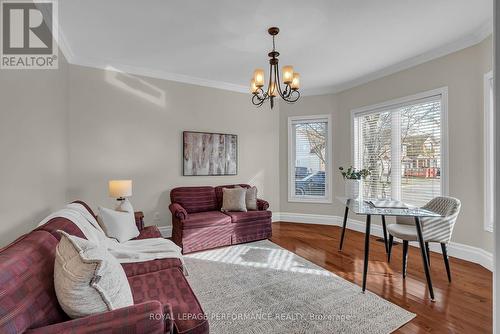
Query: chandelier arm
x=259, y=98
x=278, y=83
x=257, y=101
x=288, y=92
x=291, y=99
x=270, y=79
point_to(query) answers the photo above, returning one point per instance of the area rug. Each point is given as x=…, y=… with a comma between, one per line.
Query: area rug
x=262, y=288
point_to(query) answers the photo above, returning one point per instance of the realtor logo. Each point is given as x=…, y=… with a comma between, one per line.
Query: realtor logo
x=29, y=34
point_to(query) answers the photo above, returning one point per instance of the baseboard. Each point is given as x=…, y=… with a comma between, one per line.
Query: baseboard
x=461, y=251
x=166, y=231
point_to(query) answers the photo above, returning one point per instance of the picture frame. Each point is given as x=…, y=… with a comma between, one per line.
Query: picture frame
x=209, y=154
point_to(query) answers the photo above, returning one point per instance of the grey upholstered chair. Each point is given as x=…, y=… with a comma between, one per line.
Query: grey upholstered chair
x=433, y=229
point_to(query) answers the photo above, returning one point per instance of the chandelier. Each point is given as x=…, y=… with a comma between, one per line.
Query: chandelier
x=290, y=93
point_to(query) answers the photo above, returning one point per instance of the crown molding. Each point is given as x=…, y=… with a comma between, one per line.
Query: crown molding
x=471, y=39
x=476, y=37
x=155, y=73
x=65, y=47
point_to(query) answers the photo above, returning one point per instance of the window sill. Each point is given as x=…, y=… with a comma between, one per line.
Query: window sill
x=310, y=200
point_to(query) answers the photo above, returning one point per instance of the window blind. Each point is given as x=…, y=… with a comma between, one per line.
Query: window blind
x=401, y=146
x=309, y=145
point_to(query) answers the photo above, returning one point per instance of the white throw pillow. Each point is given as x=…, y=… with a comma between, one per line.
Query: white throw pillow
x=233, y=199
x=88, y=279
x=117, y=224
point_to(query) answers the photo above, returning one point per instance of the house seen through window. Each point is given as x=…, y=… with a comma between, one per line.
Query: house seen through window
x=402, y=147
x=310, y=158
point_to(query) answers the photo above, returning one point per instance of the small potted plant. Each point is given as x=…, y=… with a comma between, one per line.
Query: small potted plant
x=353, y=184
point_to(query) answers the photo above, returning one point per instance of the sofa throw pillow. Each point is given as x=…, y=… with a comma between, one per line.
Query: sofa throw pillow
x=118, y=224
x=234, y=199
x=88, y=279
x=250, y=198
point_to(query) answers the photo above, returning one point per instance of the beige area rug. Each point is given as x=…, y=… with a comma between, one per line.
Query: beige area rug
x=262, y=288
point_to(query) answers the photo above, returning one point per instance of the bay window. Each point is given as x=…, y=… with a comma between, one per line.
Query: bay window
x=403, y=144
x=309, y=155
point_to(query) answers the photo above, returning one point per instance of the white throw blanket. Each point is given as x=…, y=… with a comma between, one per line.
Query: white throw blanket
x=126, y=252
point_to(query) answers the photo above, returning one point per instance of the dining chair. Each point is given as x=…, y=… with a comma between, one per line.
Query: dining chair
x=438, y=229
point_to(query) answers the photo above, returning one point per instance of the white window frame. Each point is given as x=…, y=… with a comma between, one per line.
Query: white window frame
x=443, y=92
x=489, y=156
x=292, y=197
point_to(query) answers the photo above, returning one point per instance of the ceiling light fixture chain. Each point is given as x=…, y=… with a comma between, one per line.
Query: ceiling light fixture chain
x=291, y=80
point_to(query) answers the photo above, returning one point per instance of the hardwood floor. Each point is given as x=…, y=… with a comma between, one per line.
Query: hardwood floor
x=463, y=306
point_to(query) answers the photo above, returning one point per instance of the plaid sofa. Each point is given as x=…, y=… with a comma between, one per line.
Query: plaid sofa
x=199, y=224
x=163, y=299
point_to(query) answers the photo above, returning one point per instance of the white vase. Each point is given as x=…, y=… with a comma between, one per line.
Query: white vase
x=353, y=189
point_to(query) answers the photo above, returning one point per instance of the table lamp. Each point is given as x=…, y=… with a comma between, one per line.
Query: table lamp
x=121, y=189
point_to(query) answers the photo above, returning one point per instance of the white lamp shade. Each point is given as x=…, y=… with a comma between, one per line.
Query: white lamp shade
x=120, y=188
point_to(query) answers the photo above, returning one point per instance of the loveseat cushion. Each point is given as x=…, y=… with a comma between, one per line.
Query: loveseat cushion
x=249, y=216
x=206, y=219
x=195, y=199
x=139, y=268
x=169, y=286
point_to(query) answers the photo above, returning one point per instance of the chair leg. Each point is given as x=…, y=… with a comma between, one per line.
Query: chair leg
x=446, y=262
x=405, y=256
x=391, y=239
x=428, y=254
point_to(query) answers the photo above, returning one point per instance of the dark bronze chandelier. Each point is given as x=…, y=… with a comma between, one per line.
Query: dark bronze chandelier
x=290, y=93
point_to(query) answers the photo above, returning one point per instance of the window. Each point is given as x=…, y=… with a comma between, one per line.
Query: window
x=403, y=144
x=309, y=154
x=489, y=153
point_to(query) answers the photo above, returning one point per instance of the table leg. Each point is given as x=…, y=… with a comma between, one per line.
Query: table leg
x=424, y=257
x=384, y=228
x=344, y=224
x=367, y=250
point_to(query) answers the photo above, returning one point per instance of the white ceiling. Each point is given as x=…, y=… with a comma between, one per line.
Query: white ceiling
x=334, y=44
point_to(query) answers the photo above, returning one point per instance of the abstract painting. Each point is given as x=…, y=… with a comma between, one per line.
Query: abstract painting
x=208, y=154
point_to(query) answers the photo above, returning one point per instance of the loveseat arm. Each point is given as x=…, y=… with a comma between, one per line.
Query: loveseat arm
x=147, y=317
x=149, y=232
x=262, y=205
x=178, y=211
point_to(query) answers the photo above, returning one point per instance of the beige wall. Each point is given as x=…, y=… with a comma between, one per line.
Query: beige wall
x=462, y=72
x=64, y=133
x=124, y=126
x=33, y=147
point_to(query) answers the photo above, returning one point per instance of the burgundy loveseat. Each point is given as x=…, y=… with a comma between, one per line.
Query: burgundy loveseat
x=163, y=299
x=199, y=224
